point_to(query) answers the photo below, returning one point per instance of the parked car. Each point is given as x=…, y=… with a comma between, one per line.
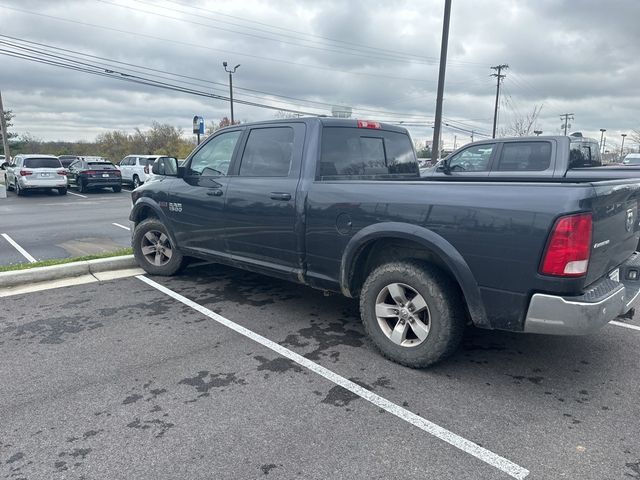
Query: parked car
x=632, y=159
x=136, y=169
x=339, y=205
x=95, y=173
x=35, y=172
x=67, y=160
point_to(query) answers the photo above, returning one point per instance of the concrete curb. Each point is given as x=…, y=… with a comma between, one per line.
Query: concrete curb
x=66, y=270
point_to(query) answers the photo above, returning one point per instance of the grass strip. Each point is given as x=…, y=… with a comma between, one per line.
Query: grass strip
x=60, y=261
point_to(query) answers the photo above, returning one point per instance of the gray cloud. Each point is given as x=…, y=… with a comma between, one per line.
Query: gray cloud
x=567, y=56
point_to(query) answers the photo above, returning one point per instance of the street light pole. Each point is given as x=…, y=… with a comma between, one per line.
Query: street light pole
x=602, y=130
x=230, y=72
x=622, y=148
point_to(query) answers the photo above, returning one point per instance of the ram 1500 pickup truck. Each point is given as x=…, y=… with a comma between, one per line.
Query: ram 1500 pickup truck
x=339, y=205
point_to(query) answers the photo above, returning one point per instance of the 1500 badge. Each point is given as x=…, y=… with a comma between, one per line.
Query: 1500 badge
x=175, y=207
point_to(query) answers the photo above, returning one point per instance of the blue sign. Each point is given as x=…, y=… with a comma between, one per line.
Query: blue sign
x=198, y=125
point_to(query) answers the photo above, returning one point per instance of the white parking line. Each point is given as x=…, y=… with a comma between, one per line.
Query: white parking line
x=625, y=325
x=121, y=226
x=76, y=194
x=437, y=431
x=24, y=253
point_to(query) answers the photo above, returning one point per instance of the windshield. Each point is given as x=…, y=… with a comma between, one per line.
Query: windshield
x=42, y=163
x=631, y=161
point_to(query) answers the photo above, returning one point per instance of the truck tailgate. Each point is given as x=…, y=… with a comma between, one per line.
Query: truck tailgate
x=616, y=228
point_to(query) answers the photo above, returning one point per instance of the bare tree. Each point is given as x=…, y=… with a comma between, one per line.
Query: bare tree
x=522, y=126
x=635, y=136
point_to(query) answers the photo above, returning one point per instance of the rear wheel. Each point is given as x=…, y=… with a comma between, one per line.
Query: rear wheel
x=412, y=312
x=19, y=191
x=136, y=182
x=153, y=249
x=62, y=191
x=117, y=189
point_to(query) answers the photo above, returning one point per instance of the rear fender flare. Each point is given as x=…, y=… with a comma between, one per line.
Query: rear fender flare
x=432, y=242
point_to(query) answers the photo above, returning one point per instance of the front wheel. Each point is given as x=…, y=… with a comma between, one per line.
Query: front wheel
x=136, y=182
x=82, y=186
x=153, y=249
x=412, y=312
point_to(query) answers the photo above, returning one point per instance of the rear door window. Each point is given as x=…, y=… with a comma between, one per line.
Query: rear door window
x=524, y=157
x=268, y=153
x=42, y=163
x=348, y=152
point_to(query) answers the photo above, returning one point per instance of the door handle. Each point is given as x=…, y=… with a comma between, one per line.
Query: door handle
x=280, y=196
x=214, y=193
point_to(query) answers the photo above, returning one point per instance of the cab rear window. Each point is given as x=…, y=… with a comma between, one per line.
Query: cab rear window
x=42, y=163
x=368, y=153
x=101, y=165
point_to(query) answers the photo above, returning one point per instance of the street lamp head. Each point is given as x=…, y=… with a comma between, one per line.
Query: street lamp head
x=224, y=64
x=236, y=66
x=623, y=134
x=603, y=129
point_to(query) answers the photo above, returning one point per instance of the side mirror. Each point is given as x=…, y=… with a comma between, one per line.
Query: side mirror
x=4, y=165
x=166, y=166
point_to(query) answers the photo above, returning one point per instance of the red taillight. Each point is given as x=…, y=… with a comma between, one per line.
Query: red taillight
x=368, y=124
x=62, y=172
x=90, y=172
x=24, y=173
x=568, y=250
x=117, y=173
x=146, y=169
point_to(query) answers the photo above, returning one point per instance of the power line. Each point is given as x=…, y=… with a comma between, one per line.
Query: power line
x=71, y=54
x=195, y=45
x=306, y=34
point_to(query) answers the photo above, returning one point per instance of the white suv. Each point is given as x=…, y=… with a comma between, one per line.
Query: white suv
x=136, y=169
x=36, y=172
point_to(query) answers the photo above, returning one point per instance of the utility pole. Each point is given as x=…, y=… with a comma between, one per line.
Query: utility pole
x=622, y=148
x=499, y=76
x=230, y=72
x=5, y=134
x=602, y=130
x=565, y=117
x=435, y=150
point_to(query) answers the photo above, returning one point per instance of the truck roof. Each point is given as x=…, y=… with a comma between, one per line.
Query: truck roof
x=327, y=122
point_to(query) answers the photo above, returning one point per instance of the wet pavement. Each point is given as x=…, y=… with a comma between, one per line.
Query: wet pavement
x=119, y=380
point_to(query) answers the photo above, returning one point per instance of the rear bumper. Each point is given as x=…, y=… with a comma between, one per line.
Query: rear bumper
x=580, y=315
x=103, y=182
x=42, y=183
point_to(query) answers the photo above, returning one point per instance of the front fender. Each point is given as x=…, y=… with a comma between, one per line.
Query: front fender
x=432, y=242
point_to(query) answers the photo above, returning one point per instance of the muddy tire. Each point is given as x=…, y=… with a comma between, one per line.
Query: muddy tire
x=154, y=250
x=412, y=312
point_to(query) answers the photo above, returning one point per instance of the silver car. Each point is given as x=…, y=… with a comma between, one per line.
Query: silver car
x=36, y=172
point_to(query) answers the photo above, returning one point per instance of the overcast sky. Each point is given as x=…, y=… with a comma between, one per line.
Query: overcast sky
x=378, y=57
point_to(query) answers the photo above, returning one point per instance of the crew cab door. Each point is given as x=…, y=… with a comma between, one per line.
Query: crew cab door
x=260, y=209
x=196, y=204
x=473, y=161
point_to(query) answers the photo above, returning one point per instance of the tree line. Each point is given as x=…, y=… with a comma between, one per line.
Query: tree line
x=159, y=139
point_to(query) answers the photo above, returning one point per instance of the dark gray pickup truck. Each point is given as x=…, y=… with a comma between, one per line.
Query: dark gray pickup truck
x=339, y=205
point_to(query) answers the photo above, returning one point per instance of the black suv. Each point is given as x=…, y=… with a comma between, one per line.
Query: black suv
x=89, y=174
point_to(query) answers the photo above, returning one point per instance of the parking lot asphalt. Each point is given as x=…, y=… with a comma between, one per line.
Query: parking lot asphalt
x=121, y=380
x=49, y=225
